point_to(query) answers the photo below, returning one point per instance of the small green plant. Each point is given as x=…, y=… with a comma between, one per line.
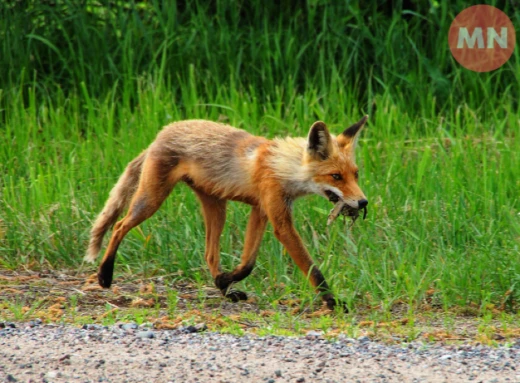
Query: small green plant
x=15, y=310
x=110, y=315
x=172, y=299
x=140, y=316
x=18, y=310
x=73, y=306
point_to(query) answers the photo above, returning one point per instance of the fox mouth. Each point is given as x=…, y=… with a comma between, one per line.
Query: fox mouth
x=333, y=197
x=346, y=210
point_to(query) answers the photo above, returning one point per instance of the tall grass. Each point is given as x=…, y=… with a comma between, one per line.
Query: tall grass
x=89, y=87
x=274, y=49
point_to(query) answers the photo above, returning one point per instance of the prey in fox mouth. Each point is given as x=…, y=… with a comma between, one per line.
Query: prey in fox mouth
x=343, y=208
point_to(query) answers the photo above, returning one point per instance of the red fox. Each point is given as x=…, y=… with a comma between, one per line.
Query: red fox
x=222, y=163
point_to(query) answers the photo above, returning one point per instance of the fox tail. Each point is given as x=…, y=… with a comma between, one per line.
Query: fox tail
x=120, y=197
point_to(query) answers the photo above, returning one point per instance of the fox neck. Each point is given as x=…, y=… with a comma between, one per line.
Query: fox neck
x=286, y=163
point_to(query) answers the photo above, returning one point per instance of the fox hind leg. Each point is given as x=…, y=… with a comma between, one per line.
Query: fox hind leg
x=154, y=186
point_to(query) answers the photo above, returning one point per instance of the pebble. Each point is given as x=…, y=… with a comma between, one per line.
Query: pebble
x=129, y=326
x=146, y=334
x=313, y=334
x=35, y=322
x=193, y=329
x=92, y=327
x=53, y=374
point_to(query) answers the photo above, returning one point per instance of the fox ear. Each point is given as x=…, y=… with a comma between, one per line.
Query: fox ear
x=319, y=141
x=350, y=136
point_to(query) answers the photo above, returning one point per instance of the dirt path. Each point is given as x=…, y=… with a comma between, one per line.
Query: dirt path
x=55, y=353
x=168, y=349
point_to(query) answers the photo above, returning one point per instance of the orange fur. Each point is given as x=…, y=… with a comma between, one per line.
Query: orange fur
x=223, y=163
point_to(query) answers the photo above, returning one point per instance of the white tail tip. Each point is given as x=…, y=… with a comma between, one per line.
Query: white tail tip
x=90, y=257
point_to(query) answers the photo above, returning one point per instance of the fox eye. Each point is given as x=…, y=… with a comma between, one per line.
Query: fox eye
x=336, y=176
x=356, y=174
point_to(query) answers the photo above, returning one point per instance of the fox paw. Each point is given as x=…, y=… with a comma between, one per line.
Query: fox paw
x=332, y=303
x=235, y=295
x=223, y=281
x=105, y=274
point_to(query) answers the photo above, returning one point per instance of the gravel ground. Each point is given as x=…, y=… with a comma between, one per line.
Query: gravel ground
x=33, y=352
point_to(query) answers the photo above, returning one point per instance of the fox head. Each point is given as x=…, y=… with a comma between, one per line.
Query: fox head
x=331, y=164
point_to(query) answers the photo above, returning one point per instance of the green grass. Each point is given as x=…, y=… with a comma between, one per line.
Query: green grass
x=444, y=210
x=440, y=158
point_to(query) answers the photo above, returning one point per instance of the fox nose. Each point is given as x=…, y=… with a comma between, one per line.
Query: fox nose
x=362, y=203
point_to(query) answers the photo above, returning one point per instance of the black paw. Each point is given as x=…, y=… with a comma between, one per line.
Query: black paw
x=236, y=295
x=105, y=274
x=332, y=303
x=104, y=281
x=222, y=281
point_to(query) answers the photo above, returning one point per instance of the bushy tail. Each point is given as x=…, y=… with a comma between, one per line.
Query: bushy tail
x=118, y=200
